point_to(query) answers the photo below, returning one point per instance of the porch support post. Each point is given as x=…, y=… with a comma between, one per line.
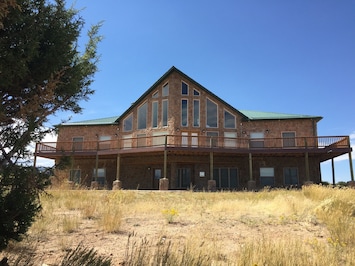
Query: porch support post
x=307, y=167
x=351, y=167
x=352, y=182
x=306, y=158
x=164, y=182
x=333, y=172
x=211, y=183
x=211, y=165
x=251, y=182
x=117, y=183
x=165, y=157
x=250, y=167
x=95, y=183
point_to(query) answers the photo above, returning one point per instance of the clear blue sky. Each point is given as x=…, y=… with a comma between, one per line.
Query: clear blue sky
x=280, y=56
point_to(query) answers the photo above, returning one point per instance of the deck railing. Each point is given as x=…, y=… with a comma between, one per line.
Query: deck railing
x=179, y=141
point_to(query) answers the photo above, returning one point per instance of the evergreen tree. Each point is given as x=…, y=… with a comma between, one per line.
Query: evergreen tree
x=42, y=72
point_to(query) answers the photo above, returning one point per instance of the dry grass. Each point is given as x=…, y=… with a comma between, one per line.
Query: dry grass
x=312, y=226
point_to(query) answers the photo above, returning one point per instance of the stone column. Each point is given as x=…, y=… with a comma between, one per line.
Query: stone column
x=116, y=185
x=94, y=185
x=211, y=185
x=163, y=184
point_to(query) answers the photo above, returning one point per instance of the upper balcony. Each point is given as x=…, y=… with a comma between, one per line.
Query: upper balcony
x=326, y=147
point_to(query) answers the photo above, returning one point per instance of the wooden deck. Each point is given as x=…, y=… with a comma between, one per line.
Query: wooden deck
x=325, y=147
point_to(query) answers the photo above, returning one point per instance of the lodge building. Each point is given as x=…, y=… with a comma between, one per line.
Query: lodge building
x=180, y=135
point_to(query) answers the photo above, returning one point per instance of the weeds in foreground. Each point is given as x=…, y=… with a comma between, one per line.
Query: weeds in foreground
x=170, y=215
x=82, y=256
x=294, y=215
x=162, y=252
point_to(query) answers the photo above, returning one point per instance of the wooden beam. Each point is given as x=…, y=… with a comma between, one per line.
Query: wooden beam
x=250, y=167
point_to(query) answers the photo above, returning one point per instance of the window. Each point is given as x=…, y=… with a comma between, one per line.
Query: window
x=184, y=88
x=212, y=111
x=267, y=176
x=256, y=140
x=101, y=176
x=155, y=95
x=288, y=139
x=229, y=120
x=184, y=139
x=78, y=143
x=196, y=113
x=196, y=93
x=184, y=177
x=230, y=139
x=159, y=138
x=212, y=140
x=157, y=173
x=141, y=140
x=127, y=141
x=291, y=176
x=155, y=114
x=75, y=176
x=142, y=116
x=127, y=123
x=184, y=112
x=165, y=90
x=104, y=142
x=226, y=178
x=165, y=113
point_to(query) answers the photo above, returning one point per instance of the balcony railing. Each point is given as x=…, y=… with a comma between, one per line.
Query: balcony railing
x=178, y=141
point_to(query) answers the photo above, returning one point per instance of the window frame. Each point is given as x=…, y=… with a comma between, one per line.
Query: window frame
x=155, y=116
x=257, y=142
x=73, y=176
x=267, y=176
x=142, y=119
x=165, y=113
x=289, y=141
x=182, y=88
x=196, y=116
x=184, y=113
x=291, y=176
x=165, y=90
x=208, y=116
x=105, y=142
x=130, y=116
x=77, y=144
x=224, y=119
x=101, y=176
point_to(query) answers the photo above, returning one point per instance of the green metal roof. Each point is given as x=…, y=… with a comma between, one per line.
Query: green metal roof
x=257, y=115
x=101, y=121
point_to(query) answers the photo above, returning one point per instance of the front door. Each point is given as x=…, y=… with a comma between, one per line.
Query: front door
x=184, y=178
